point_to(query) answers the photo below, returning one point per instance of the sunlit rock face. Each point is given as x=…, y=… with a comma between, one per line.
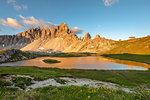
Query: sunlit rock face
x=87, y=37
x=59, y=38
x=97, y=36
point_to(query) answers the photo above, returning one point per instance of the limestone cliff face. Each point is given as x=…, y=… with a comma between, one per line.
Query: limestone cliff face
x=59, y=38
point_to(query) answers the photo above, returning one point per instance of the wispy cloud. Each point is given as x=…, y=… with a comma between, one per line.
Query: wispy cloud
x=11, y=1
x=17, y=6
x=11, y=23
x=109, y=2
x=76, y=30
x=32, y=21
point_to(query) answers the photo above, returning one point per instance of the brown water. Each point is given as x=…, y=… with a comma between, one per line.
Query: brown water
x=99, y=63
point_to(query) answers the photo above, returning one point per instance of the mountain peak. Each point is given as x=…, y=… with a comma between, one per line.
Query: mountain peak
x=97, y=36
x=38, y=27
x=87, y=36
x=63, y=24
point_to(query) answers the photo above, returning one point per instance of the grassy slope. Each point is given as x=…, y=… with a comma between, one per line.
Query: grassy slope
x=133, y=46
x=134, y=50
x=131, y=57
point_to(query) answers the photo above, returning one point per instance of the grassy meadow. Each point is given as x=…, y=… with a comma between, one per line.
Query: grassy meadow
x=132, y=79
x=71, y=93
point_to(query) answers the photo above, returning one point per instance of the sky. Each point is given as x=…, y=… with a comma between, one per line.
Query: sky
x=112, y=19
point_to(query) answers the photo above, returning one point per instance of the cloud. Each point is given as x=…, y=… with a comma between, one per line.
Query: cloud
x=16, y=6
x=31, y=21
x=76, y=30
x=11, y=23
x=19, y=7
x=109, y=2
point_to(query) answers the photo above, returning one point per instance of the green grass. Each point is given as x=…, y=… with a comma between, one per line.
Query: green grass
x=37, y=73
x=51, y=61
x=71, y=55
x=71, y=93
x=22, y=82
x=124, y=78
x=4, y=83
x=131, y=57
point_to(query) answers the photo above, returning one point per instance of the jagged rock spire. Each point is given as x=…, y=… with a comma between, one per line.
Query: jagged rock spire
x=43, y=33
x=87, y=36
x=48, y=33
x=38, y=27
x=80, y=38
x=64, y=27
x=61, y=31
x=53, y=32
x=97, y=36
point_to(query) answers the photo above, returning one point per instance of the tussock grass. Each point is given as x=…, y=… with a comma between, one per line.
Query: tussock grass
x=22, y=82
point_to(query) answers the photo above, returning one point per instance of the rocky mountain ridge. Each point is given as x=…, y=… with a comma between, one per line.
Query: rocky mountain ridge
x=59, y=38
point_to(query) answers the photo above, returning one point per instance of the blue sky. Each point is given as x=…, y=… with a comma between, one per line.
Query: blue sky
x=113, y=19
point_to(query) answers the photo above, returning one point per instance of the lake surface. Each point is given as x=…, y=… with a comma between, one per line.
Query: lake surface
x=99, y=63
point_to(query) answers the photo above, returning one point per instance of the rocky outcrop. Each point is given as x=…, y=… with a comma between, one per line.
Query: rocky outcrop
x=11, y=55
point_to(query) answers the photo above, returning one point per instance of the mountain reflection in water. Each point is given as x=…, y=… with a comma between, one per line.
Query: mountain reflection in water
x=91, y=62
